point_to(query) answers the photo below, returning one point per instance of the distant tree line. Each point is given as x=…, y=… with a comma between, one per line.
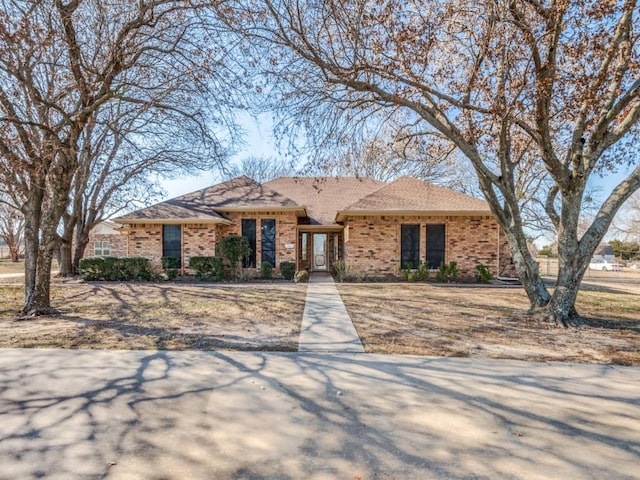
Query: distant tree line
x=626, y=250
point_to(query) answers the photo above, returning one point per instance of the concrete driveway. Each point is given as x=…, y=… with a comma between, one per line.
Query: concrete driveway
x=68, y=414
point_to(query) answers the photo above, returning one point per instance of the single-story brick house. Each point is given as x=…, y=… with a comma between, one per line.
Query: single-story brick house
x=106, y=240
x=377, y=228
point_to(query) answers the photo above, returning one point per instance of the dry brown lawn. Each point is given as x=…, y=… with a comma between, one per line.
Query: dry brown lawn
x=159, y=316
x=490, y=322
x=7, y=266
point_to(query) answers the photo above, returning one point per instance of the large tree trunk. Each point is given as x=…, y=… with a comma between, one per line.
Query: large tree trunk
x=41, y=301
x=41, y=239
x=82, y=240
x=528, y=271
x=32, y=211
x=561, y=308
x=38, y=271
x=15, y=253
x=65, y=267
x=573, y=260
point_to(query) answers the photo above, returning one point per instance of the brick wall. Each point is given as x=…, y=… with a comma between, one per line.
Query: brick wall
x=201, y=239
x=117, y=244
x=372, y=243
x=286, y=224
x=146, y=241
x=198, y=240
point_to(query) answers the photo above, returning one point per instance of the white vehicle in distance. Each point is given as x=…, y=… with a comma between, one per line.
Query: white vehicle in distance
x=604, y=265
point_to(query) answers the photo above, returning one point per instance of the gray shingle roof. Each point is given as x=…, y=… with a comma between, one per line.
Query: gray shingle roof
x=324, y=200
x=324, y=196
x=235, y=194
x=408, y=194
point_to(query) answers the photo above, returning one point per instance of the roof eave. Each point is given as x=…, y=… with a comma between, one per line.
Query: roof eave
x=340, y=216
x=173, y=221
x=334, y=227
x=297, y=209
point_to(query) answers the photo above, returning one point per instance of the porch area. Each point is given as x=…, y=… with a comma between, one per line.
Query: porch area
x=320, y=249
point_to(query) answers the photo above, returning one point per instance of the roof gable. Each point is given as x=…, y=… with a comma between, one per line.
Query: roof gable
x=324, y=196
x=240, y=193
x=407, y=194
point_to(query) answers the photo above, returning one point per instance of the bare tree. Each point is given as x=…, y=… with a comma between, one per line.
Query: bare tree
x=11, y=228
x=389, y=147
x=261, y=169
x=627, y=223
x=121, y=158
x=64, y=67
x=521, y=88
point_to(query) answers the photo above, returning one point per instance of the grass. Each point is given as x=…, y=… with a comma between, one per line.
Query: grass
x=398, y=318
x=7, y=266
x=159, y=316
x=488, y=322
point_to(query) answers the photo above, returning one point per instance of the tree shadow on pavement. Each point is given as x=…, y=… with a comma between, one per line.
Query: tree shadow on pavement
x=261, y=416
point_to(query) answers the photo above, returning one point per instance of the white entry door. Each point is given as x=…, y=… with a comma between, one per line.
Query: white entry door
x=320, y=261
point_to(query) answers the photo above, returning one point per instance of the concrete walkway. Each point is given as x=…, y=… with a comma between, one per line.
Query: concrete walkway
x=326, y=324
x=125, y=415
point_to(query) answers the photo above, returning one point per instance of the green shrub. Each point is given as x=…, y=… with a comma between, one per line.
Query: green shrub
x=243, y=276
x=422, y=273
x=454, y=271
x=208, y=268
x=406, y=273
x=288, y=270
x=170, y=267
x=116, y=269
x=266, y=270
x=482, y=274
x=448, y=273
x=419, y=274
x=234, y=248
x=301, y=276
x=441, y=275
x=341, y=271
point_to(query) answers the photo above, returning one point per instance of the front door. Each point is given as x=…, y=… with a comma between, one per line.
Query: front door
x=320, y=251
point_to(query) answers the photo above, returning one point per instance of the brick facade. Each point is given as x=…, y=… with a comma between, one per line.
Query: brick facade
x=145, y=240
x=286, y=225
x=372, y=243
x=198, y=240
x=369, y=244
x=117, y=244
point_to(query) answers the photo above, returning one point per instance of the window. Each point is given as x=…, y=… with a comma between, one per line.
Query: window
x=303, y=246
x=172, y=242
x=269, y=241
x=102, y=249
x=336, y=250
x=435, y=245
x=410, y=246
x=249, y=232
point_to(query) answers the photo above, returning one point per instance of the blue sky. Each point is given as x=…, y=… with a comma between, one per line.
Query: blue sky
x=258, y=142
